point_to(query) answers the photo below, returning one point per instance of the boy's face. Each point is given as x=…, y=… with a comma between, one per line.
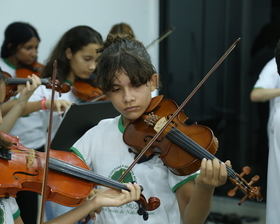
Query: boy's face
x=131, y=100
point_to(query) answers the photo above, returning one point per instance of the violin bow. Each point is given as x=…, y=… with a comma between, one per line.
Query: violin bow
x=179, y=108
x=47, y=153
x=161, y=37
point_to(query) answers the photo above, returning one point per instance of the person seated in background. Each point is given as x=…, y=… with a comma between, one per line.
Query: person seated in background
x=122, y=29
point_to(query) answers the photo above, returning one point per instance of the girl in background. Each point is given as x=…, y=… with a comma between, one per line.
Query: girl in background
x=76, y=58
x=122, y=29
x=19, y=48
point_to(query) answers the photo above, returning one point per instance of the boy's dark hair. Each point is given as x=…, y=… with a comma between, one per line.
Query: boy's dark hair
x=277, y=57
x=76, y=38
x=16, y=34
x=123, y=54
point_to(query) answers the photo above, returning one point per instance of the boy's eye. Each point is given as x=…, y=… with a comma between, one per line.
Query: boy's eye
x=138, y=85
x=115, y=89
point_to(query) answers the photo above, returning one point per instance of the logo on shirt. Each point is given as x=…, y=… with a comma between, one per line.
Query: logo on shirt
x=118, y=172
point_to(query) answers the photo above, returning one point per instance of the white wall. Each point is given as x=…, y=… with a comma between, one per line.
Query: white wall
x=53, y=17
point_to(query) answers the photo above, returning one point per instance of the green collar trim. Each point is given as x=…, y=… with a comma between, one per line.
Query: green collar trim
x=70, y=83
x=120, y=125
x=9, y=64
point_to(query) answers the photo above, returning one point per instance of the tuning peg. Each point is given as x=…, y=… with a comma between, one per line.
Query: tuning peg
x=243, y=199
x=254, y=179
x=246, y=170
x=232, y=192
x=247, y=188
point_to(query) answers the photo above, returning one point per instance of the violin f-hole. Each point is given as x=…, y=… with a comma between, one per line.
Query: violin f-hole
x=25, y=173
x=173, y=122
x=146, y=139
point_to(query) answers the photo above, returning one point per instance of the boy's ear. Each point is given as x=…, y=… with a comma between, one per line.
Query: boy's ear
x=154, y=82
x=68, y=53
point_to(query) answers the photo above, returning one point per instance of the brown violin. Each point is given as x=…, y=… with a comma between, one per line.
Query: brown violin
x=69, y=179
x=87, y=90
x=181, y=147
x=23, y=71
x=12, y=85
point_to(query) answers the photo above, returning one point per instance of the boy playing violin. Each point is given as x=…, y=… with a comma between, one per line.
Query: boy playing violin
x=126, y=75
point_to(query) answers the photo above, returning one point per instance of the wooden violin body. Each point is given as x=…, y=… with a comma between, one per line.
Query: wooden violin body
x=181, y=147
x=24, y=171
x=69, y=179
x=87, y=90
x=24, y=71
x=171, y=154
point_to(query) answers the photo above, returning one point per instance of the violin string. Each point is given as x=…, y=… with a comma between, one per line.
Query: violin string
x=202, y=153
x=70, y=169
x=76, y=171
x=189, y=145
x=192, y=147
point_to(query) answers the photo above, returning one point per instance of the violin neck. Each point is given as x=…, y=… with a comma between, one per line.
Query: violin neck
x=190, y=146
x=84, y=174
x=19, y=81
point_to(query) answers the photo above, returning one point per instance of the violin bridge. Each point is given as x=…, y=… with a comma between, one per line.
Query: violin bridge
x=159, y=125
x=30, y=158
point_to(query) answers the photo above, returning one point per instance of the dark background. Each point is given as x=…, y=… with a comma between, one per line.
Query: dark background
x=204, y=30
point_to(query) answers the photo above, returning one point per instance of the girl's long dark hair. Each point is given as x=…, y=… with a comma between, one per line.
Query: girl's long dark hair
x=75, y=39
x=16, y=34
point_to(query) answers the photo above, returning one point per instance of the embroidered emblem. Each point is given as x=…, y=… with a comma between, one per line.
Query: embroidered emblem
x=117, y=173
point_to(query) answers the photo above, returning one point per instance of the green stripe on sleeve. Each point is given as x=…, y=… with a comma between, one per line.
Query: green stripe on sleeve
x=76, y=151
x=184, y=181
x=16, y=214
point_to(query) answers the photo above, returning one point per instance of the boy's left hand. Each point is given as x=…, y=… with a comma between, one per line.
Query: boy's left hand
x=212, y=174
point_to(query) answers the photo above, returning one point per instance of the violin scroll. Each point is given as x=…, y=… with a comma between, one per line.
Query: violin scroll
x=144, y=206
x=61, y=88
x=250, y=191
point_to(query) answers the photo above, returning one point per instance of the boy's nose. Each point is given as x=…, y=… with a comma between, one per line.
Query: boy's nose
x=128, y=96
